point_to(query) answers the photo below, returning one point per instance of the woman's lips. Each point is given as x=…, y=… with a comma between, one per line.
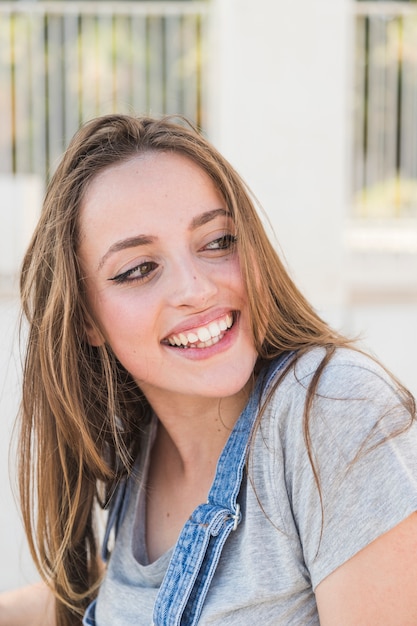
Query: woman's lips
x=203, y=336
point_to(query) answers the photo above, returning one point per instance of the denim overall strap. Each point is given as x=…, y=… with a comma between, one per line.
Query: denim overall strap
x=115, y=506
x=198, y=549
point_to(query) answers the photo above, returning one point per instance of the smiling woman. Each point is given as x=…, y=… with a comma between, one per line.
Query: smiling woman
x=176, y=376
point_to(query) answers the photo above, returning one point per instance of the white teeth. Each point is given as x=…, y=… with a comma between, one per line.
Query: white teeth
x=208, y=343
x=203, y=334
x=214, y=329
x=203, y=337
x=222, y=325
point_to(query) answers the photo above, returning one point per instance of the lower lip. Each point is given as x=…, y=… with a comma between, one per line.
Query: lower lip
x=198, y=354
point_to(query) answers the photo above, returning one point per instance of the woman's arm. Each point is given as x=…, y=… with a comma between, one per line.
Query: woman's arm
x=28, y=606
x=376, y=586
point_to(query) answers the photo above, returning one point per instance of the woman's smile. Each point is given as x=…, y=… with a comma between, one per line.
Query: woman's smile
x=203, y=336
x=205, y=341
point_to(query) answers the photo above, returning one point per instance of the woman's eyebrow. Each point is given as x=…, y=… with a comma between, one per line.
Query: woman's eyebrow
x=123, y=244
x=203, y=218
x=143, y=240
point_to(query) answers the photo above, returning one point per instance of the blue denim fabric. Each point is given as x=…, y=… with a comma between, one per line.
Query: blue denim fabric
x=89, y=617
x=199, y=546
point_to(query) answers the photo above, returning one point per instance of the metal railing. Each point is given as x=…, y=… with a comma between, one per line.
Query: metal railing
x=385, y=110
x=62, y=63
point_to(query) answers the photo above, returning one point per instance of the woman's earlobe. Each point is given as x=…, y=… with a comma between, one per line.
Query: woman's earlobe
x=93, y=335
x=94, y=338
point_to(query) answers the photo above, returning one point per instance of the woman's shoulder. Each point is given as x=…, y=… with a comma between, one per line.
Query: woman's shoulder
x=352, y=393
x=356, y=411
x=348, y=372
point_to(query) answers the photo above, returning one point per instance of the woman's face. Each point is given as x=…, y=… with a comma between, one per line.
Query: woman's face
x=157, y=248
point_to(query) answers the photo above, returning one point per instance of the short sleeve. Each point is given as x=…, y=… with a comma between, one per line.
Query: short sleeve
x=364, y=449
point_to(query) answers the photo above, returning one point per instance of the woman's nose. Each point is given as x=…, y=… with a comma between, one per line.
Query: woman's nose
x=193, y=284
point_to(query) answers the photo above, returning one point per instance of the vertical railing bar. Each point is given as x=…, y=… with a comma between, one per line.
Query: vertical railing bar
x=70, y=51
x=399, y=119
x=408, y=154
x=113, y=63
x=172, y=62
x=155, y=65
x=139, y=78
x=147, y=64
x=129, y=64
x=202, y=59
x=181, y=64
x=390, y=97
x=6, y=94
x=164, y=67
x=190, y=100
x=82, y=54
x=204, y=39
x=407, y=119
x=121, y=63
x=38, y=90
x=22, y=99
x=359, y=129
x=369, y=162
x=413, y=116
x=87, y=35
x=94, y=68
x=104, y=57
x=55, y=90
x=381, y=100
x=375, y=77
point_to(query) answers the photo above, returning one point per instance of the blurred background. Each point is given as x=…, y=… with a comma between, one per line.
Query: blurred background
x=314, y=103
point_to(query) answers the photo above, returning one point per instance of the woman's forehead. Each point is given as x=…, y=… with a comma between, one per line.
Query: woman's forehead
x=148, y=195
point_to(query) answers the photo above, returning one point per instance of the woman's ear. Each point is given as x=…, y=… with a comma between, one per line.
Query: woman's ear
x=93, y=334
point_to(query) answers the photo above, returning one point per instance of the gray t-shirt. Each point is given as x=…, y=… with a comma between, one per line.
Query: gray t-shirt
x=284, y=546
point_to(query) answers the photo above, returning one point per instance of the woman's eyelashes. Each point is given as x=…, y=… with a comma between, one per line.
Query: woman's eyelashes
x=225, y=242
x=139, y=273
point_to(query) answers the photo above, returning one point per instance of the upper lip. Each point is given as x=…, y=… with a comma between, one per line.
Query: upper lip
x=202, y=319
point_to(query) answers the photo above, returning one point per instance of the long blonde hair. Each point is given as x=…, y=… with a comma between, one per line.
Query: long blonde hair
x=82, y=414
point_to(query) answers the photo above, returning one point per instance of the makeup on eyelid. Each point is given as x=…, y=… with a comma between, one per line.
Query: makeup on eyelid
x=127, y=275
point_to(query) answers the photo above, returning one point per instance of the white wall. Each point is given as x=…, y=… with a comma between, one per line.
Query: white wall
x=20, y=201
x=389, y=330
x=20, y=197
x=279, y=94
x=15, y=567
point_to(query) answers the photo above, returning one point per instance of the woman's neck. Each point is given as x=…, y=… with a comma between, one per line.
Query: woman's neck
x=188, y=443
x=194, y=430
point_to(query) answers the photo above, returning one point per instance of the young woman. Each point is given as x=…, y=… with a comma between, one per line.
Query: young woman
x=257, y=469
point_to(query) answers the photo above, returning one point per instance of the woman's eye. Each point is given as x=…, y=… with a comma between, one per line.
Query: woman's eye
x=137, y=273
x=225, y=242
